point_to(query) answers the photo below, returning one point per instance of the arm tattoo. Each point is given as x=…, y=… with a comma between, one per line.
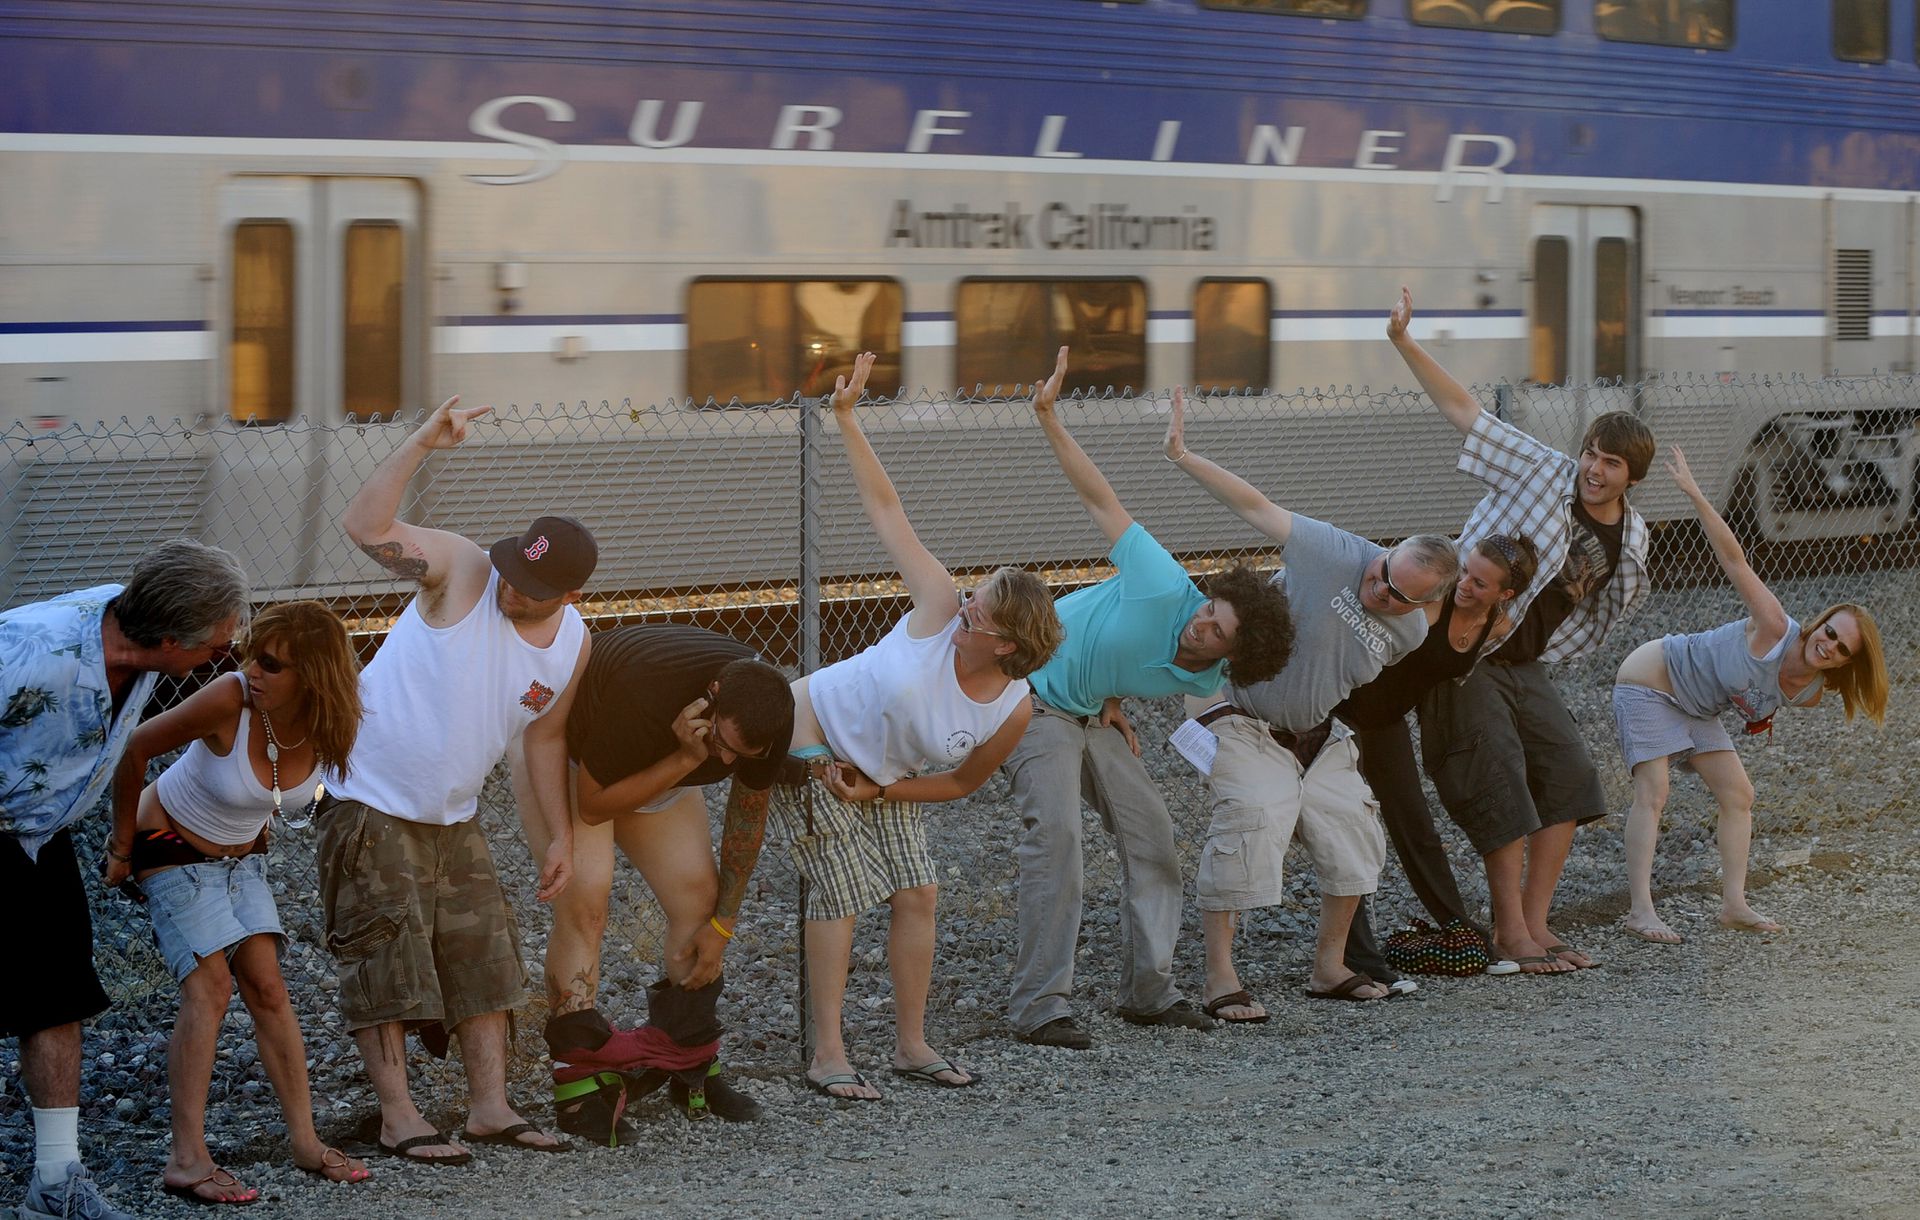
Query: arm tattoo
x=393, y=557
x=740, y=837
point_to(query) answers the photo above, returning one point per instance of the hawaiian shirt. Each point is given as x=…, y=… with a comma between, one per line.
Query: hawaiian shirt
x=1531, y=487
x=59, y=739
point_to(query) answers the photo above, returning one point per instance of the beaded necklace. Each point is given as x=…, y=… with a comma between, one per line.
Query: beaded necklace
x=273, y=764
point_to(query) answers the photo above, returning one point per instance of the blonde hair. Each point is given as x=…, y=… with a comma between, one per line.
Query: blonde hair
x=1862, y=681
x=312, y=641
x=1023, y=611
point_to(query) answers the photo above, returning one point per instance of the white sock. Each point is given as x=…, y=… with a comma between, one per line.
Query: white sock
x=56, y=1143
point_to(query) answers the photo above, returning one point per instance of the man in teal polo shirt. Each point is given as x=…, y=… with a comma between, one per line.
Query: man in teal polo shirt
x=1147, y=631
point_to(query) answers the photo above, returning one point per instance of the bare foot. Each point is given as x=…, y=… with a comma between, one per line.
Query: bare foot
x=333, y=1165
x=1746, y=919
x=1652, y=928
x=852, y=1090
x=210, y=1184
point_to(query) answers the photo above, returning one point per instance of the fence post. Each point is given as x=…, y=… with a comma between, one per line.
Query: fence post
x=809, y=587
x=809, y=597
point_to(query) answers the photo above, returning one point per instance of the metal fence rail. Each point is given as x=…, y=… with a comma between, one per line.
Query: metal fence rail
x=744, y=519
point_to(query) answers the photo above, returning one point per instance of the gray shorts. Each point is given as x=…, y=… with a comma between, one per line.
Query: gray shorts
x=199, y=910
x=1652, y=725
x=1506, y=756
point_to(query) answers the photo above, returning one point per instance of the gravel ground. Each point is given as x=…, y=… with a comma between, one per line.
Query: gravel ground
x=1734, y=1076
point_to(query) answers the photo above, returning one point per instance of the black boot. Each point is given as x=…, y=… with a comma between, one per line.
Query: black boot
x=722, y=1100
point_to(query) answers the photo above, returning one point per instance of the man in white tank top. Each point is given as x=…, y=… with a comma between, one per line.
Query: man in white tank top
x=489, y=652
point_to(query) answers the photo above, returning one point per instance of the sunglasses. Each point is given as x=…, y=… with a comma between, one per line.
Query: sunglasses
x=967, y=613
x=1386, y=578
x=268, y=663
x=1833, y=637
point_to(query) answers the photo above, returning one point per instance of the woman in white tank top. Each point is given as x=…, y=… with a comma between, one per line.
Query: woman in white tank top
x=195, y=842
x=925, y=715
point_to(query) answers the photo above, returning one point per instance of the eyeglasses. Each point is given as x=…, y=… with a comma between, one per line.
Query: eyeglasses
x=1386, y=578
x=729, y=747
x=268, y=663
x=967, y=613
x=1833, y=637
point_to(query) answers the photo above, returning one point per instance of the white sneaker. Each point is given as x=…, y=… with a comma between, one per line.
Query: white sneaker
x=78, y=1198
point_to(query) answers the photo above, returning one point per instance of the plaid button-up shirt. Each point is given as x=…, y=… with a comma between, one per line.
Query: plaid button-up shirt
x=1530, y=493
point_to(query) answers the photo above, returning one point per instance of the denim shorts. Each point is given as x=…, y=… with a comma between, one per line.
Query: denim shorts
x=1652, y=725
x=199, y=910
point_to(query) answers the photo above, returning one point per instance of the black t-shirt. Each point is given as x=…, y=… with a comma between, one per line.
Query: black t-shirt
x=637, y=681
x=1593, y=552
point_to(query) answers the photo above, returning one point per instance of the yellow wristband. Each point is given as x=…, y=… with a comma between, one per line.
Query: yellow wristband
x=726, y=935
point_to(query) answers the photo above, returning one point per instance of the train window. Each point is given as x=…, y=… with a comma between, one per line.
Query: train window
x=1232, y=348
x=1549, y=333
x=1707, y=24
x=1853, y=294
x=1008, y=331
x=374, y=266
x=1345, y=9
x=764, y=340
x=1504, y=16
x=1612, y=307
x=260, y=351
x=1860, y=30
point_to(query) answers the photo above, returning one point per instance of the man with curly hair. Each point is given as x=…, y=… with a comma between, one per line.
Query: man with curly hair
x=1147, y=631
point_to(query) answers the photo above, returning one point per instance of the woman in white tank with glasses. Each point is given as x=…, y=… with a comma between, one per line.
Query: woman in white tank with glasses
x=257, y=742
x=925, y=715
x=1670, y=693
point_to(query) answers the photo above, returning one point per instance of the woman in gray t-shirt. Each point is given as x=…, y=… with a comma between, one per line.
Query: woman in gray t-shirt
x=1670, y=693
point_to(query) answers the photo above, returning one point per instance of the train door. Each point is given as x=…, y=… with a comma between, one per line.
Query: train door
x=321, y=317
x=1583, y=322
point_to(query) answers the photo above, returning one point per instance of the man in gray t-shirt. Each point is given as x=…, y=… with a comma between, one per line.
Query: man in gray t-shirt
x=1278, y=764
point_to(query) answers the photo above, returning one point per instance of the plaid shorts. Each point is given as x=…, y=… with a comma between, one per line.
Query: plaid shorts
x=854, y=855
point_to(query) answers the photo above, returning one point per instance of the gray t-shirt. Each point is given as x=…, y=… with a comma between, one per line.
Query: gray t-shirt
x=1337, y=643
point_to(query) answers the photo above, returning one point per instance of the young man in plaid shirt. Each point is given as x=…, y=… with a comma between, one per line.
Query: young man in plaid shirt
x=1501, y=747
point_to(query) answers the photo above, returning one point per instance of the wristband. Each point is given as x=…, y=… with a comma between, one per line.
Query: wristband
x=724, y=934
x=1176, y=458
x=116, y=855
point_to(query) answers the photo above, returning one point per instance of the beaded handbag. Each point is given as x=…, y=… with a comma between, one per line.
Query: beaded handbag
x=1421, y=948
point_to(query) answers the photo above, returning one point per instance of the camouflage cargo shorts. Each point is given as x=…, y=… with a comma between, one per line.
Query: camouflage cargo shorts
x=415, y=916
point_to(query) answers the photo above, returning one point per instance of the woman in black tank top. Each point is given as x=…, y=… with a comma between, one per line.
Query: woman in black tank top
x=1460, y=629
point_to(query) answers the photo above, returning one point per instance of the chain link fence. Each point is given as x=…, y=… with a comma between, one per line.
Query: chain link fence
x=744, y=520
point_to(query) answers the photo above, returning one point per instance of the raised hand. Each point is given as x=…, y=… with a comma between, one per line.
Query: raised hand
x=845, y=392
x=1048, y=391
x=446, y=428
x=1176, y=443
x=1681, y=472
x=1400, y=314
x=693, y=730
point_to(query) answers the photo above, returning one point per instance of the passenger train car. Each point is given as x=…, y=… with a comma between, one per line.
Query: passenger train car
x=277, y=213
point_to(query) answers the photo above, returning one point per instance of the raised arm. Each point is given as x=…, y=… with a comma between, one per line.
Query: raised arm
x=929, y=583
x=1225, y=486
x=211, y=713
x=413, y=552
x=1769, y=618
x=1460, y=407
x=1088, y=483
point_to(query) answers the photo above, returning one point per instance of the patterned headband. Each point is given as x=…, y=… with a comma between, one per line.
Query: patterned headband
x=1509, y=551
